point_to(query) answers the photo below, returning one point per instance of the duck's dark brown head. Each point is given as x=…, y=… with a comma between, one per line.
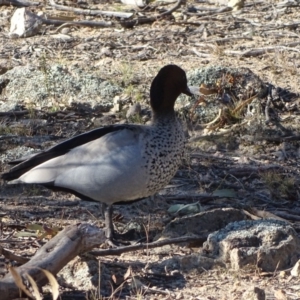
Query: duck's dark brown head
x=168, y=84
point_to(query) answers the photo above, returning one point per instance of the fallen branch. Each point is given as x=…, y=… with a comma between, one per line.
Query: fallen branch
x=261, y=51
x=77, y=23
x=287, y=216
x=210, y=12
x=291, y=26
x=288, y=3
x=279, y=138
x=91, y=12
x=54, y=255
x=18, y=3
x=245, y=171
x=13, y=113
x=9, y=255
x=142, y=246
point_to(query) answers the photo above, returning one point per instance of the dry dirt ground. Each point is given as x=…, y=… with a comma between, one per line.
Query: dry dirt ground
x=263, y=171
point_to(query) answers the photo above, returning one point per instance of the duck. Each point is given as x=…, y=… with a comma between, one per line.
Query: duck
x=118, y=163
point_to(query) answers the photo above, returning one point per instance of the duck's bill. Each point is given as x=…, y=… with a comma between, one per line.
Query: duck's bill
x=192, y=90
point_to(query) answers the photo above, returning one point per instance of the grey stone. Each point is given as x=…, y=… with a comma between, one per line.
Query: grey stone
x=267, y=244
x=133, y=110
x=82, y=274
x=241, y=82
x=202, y=223
x=39, y=86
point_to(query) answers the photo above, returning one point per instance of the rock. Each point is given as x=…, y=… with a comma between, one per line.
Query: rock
x=69, y=84
x=296, y=269
x=241, y=82
x=195, y=262
x=202, y=223
x=267, y=244
x=24, y=23
x=254, y=293
x=65, y=30
x=133, y=110
x=82, y=273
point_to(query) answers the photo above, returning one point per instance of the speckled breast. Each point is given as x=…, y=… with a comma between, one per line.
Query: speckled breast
x=163, y=154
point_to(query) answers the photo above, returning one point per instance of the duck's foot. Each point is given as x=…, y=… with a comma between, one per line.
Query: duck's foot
x=115, y=239
x=120, y=240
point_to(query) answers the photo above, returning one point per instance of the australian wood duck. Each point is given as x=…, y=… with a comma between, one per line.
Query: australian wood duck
x=118, y=163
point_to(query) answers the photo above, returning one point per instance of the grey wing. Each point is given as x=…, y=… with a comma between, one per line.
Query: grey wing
x=108, y=169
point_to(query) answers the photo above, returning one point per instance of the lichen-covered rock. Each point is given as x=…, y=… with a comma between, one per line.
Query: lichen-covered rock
x=226, y=85
x=55, y=85
x=267, y=244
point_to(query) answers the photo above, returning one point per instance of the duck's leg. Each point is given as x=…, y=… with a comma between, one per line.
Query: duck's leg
x=109, y=227
x=114, y=239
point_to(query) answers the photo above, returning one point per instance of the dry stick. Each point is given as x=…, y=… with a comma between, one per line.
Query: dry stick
x=9, y=255
x=120, y=250
x=243, y=104
x=252, y=170
x=260, y=51
x=77, y=23
x=281, y=138
x=145, y=20
x=210, y=13
x=54, y=255
x=90, y=12
x=267, y=115
x=13, y=113
x=287, y=4
x=18, y=3
x=286, y=216
x=200, y=54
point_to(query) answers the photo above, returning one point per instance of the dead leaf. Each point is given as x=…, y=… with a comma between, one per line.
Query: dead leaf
x=35, y=288
x=128, y=273
x=206, y=91
x=53, y=283
x=19, y=281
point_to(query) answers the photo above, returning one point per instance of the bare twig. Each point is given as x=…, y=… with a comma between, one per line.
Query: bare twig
x=261, y=51
x=243, y=104
x=145, y=20
x=9, y=255
x=90, y=12
x=210, y=12
x=13, y=113
x=267, y=115
x=120, y=250
x=286, y=215
x=77, y=23
x=252, y=170
x=280, y=138
x=18, y=3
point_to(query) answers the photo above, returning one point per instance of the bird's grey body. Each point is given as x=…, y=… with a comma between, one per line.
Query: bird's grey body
x=124, y=165
x=117, y=163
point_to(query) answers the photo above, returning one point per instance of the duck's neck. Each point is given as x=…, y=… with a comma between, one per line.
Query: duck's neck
x=163, y=117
